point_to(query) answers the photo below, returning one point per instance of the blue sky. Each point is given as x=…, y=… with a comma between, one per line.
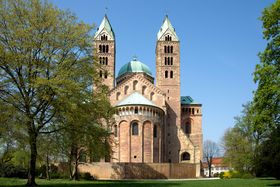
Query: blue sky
x=219, y=43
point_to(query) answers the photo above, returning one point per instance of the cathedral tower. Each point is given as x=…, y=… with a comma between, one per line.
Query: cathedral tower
x=168, y=80
x=104, y=43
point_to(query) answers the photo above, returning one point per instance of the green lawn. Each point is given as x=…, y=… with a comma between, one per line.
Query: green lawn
x=198, y=183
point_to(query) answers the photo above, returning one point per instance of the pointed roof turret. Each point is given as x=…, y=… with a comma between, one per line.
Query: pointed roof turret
x=105, y=24
x=166, y=26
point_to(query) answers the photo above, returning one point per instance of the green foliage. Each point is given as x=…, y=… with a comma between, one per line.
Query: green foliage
x=239, y=142
x=268, y=158
x=267, y=74
x=10, y=170
x=47, y=69
x=221, y=175
x=87, y=176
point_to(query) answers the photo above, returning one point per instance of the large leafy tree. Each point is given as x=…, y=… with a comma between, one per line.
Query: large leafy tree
x=267, y=74
x=239, y=142
x=267, y=96
x=46, y=62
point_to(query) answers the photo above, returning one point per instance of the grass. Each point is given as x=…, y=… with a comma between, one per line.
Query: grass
x=198, y=183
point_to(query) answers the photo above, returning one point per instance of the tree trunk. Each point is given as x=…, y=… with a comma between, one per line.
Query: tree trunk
x=47, y=168
x=75, y=164
x=33, y=157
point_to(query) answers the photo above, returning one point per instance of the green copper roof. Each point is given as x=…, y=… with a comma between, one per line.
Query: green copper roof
x=187, y=100
x=166, y=25
x=135, y=99
x=134, y=66
x=105, y=24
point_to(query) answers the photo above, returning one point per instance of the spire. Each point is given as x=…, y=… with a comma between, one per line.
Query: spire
x=166, y=26
x=105, y=24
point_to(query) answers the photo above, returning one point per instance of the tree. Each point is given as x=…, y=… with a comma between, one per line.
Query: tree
x=46, y=60
x=266, y=101
x=240, y=142
x=210, y=150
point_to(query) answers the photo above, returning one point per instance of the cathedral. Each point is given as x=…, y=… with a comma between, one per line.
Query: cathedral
x=154, y=123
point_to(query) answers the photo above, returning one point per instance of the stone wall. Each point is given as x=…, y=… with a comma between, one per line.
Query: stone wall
x=141, y=170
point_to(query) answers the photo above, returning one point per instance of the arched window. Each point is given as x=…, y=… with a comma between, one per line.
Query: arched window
x=187, y=128
x=100, y=73
x=185, y=156
x=107, y=48
x=152, y=95
x=155, y=131
x=134, y=85
x=135, y=128
x=125, y=89
x=135, y=110
x=171, y=49
x=100, y=60
x=171, y=60
x=168, y=49
x=100, y=48
x=116, y=131
x=106, y=61
x=165, y=50
x=165, y=60
x=171, y=74
x=166, y=74
x=106, y=75
x=168, y=60
x=143, y=89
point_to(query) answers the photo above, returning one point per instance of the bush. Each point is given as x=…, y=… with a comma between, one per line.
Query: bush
x=87, y=176
x=221, y=175
x=216, y=174
x=10, y=170
x=235, y=174
x=227, y=175
x=247, y=176
x=59, y=176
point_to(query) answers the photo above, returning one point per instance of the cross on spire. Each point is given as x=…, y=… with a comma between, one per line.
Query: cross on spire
x=106, y=10
x=166, y=13
x=134, y=57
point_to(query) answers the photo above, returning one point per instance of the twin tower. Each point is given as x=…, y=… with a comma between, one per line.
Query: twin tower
x=154, y=122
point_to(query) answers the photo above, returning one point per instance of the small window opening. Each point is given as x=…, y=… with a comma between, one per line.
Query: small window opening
x=155, y=131
x=136, y=110
x=106, y=75
x=135, y=128
x=187, y=128
x=171, y=49
x=171, y=61
x=116, y=131
x=135, y=156
x=171, y=74
x=166, y=74
x=185, y=156
x=100, y=73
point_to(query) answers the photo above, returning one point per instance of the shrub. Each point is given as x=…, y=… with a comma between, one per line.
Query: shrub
x=87, y=176
x=216, y=174
x=10, y=170
x=235, y=174
x=247, y=176
x=221, y=175
x=227, y=175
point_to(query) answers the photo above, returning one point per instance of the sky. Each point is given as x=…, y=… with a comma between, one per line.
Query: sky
x=219, y=43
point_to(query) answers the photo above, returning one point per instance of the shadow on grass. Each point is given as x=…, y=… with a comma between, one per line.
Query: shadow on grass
x=110, y=183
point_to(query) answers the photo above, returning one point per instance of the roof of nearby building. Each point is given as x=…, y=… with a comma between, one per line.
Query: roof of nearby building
x=135, y=99
x=187, y=100
x=217, y=162
x=134, y=66
x=105, y=24
x=166, y=25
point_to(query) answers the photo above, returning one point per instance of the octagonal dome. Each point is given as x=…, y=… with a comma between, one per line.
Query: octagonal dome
x=133, y=67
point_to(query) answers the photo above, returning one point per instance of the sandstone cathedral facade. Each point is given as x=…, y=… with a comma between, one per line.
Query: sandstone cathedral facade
x=154, y=123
